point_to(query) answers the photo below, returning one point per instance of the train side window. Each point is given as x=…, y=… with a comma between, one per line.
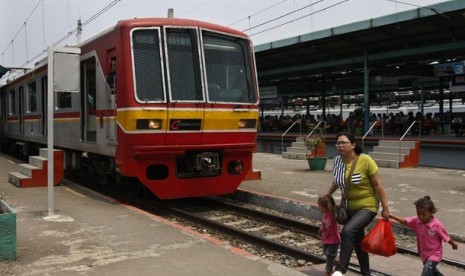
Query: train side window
x=31, y=97
x=63, y=100
x=11, y=103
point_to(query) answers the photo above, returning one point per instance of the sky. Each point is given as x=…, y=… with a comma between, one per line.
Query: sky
x=28, y=27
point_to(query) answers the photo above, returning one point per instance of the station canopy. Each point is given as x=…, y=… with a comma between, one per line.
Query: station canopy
x=400, y=51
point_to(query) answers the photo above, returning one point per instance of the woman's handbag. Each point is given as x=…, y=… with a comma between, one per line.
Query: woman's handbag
x=380, y=240
x=341, y=212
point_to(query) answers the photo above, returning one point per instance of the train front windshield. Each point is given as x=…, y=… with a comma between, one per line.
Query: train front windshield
x=225, y=61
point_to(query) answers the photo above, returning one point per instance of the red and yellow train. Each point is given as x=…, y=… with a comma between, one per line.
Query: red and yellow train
x=170, y=102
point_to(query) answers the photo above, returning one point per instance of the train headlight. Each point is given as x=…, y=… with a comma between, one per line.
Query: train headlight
x=247, y=123
x=148, y=124
x=235, y=167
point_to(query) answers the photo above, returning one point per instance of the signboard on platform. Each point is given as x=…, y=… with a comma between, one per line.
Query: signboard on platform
x=449, y=69
x=268, y=92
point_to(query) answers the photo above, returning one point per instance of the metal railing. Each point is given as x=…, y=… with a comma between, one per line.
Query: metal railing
x=408, y=129
x=285, y=132
x=369, y=130
x=313, y=130
x=405, y=133
x=300, y=133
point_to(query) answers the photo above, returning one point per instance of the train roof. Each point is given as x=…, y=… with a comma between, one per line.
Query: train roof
x=161, y=21
x=140, y=22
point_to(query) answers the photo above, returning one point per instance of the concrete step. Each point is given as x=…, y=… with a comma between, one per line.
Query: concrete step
x=296, y=150
x=383, y=163
x=37, y=161
x=298, y=145
x=391, y=149
x=16, y=177
x=43, y=152
x=387, y=156
x=395, y=143
x=27, y=169
x=35, y=174
x=293, y=155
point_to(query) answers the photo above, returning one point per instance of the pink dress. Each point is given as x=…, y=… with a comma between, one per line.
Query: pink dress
x=429, y=237
x=329, y=230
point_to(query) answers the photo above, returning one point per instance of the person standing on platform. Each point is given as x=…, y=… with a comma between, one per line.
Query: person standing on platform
x=330, y=237
x=457, y=125
x=364, y=194
x=430, y=234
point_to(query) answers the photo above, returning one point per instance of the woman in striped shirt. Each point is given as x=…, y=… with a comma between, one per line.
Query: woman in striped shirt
x=364, y=195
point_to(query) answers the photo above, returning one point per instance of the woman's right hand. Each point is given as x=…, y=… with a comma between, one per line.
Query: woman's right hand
x=326, y=197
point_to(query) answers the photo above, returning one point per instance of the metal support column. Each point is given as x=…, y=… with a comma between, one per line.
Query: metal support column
x=366, y=92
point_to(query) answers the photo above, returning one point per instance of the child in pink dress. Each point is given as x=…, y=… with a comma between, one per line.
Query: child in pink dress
x=330, y=237
x=430, y=234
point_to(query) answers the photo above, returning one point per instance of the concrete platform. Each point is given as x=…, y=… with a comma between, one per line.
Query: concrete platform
x=92, y=235
x=291, y=180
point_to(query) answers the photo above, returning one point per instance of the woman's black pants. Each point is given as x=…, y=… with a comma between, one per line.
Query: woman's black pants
x=351, y=236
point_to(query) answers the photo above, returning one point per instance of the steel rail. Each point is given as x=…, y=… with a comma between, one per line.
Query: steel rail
x=302, y=227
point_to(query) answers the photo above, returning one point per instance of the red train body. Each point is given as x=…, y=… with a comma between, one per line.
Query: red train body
x=171, y=102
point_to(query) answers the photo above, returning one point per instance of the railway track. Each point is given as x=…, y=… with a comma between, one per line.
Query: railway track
x=312, y=230
x=289, y=227
x=262, y=230
x=256, y=228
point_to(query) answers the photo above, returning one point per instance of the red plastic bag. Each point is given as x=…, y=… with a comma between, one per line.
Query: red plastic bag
x=380, y=240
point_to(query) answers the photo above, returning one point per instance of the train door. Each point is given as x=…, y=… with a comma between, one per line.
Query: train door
x=43, y=106
x=21, y=110
x=88, y=100
x=110, y=98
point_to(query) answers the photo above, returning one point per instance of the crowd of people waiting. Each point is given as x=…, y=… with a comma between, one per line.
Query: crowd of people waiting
x=390, y=124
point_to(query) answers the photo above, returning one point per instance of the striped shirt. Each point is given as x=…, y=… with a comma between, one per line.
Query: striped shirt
x=361, y=192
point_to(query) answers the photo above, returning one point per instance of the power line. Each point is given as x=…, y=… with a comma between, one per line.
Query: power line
x=284, y=15
x=198, y=6
x=296, y=19
x=70, y=33
x=22, y=26
x=265, y=9
x=420, y=7
x=92, y=18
